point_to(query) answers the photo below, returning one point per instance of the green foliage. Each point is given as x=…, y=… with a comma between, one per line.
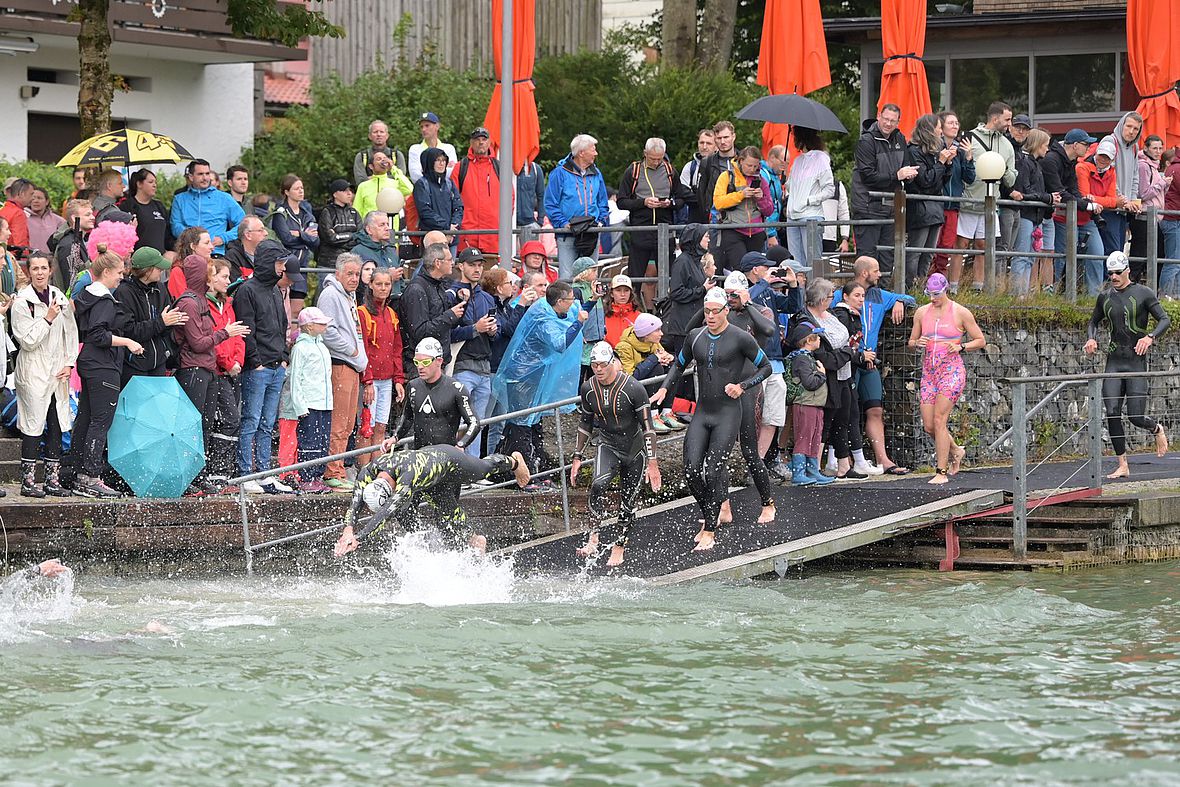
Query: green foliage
x=285, y=23
x=58, y=181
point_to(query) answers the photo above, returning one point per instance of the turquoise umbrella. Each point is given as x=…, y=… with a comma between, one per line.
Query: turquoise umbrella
x=156, y=442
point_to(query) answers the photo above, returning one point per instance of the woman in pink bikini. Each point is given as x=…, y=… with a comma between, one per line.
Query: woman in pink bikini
x=939, y=328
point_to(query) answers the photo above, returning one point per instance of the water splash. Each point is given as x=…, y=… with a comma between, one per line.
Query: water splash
x=26, y=601
x=426, y=573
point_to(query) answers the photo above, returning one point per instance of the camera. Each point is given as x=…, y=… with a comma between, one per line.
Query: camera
x=20, y=252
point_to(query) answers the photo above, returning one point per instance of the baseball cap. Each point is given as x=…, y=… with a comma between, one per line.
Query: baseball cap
x=533, y=247
x=936, y=284
x=469, y=255
x=297, y=279
x=312, y=314
x=716, y=296
x=736, y=281
x=602, y=352
x=622, y=280
x=481, y=132
x=428, y=117
x=801, y=331
x=1077, y=135
x=429, y=347
x=645, y=324
x=751, y=260
x=339, y=184
x=1022, y=120
x=1117, y=262
x=148, y=257
x=583, y=264
x=1106, y=148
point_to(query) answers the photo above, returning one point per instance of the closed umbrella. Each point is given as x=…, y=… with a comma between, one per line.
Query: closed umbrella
x=793, y=57
x=526, y=127
x=156, y=442
x=903, y=77
x=1153, y=55
x=125, y=147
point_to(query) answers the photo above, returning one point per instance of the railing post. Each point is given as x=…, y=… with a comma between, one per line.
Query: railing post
x=246, y=530
x=815, y=257
x=1153, y=247
x=565, y=494
x=899, y=239
x=663, y=236
x=989, y=238
x=1019, y=473
x=1071, y=251
x=1094, y=432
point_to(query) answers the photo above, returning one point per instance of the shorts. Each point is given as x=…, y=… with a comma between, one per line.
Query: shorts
x=382, y=401
x=774, y=401
x=870, y=388
x=943, y=374
x=971, y=226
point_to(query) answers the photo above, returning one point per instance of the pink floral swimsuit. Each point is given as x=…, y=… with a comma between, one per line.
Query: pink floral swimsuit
x=943, y=372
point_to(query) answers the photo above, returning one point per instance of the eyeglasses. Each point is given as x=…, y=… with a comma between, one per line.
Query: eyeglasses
x=600, y=364
x=422, y=363
x=718, y=310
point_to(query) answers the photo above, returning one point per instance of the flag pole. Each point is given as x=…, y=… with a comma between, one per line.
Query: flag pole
x=507, y=169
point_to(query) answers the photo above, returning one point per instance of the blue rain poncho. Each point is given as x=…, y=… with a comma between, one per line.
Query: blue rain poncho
x=542, y=363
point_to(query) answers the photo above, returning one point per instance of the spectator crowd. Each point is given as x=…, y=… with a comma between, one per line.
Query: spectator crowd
x=419, y=315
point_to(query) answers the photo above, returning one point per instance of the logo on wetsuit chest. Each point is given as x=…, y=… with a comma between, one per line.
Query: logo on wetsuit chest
x=427, y=406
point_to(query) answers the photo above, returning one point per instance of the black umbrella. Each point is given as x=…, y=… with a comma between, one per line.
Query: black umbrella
x=793, y=111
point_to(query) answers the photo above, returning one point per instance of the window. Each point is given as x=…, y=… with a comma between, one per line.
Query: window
x=978, y=82
x=1075, y=84
x=935, y=77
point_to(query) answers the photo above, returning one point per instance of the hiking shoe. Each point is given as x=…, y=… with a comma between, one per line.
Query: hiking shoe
x=779, y=469
x=672, y=422
x=315, y=487
x=253, y=488
x=93, y=487
x=868, y=468
x=339, y=484
x=660, y=426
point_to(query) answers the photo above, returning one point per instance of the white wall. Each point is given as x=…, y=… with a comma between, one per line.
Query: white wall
x=208, y=109
x=619, y=12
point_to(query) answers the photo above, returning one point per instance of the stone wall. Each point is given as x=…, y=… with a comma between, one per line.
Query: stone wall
x=1021, y=343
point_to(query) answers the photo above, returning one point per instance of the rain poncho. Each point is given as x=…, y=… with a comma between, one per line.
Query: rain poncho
x=541, y=364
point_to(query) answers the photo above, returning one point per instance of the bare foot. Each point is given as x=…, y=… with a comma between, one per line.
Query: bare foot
x=706, y=541
x=726, y=515
x=697, y=538
x=521, y=470
x=616, y=556
x=1122, y=471
x=590, y=547
x=939, y=478
x=957, y=459
x=478, y=543
x=767, y=514
x=1161, y=441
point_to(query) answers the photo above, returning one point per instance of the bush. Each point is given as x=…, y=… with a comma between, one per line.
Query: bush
x=58, y=181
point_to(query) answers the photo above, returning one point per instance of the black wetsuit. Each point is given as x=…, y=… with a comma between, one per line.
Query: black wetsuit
x=1126, y=311
x=720, y=360
x=753, y=321
x=627, y=442
x=434, y=411
x=437, y=472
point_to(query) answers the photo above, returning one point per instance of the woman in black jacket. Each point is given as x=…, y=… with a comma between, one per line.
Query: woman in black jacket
x=339, y=224
x=687, y=281
x=923, y=218
x=293, y=222
x=436, y=198
x=148, y=317
x=1030, y=187
x=99, y=362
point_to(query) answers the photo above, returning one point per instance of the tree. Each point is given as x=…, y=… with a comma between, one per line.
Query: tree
x=709, y=48
x=247, y=19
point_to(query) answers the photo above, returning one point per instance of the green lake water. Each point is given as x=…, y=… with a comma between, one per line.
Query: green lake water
x=447, y=670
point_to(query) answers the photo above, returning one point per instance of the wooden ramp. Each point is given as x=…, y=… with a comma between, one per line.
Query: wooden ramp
x=811, y=523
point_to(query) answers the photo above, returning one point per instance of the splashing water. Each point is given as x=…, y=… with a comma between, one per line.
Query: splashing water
x=428, y=574
x=29, y=600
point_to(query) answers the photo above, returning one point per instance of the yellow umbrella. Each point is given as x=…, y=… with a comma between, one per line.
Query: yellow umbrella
x=125, y=147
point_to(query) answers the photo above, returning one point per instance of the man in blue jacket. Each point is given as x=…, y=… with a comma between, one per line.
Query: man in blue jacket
x=201, y=205
x=576, y=191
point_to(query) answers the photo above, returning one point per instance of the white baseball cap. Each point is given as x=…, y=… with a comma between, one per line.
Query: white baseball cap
x=622, y=280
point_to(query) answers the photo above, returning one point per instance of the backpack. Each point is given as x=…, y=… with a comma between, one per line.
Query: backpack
x=465, y=163
x=795, y=388
x=7, y=408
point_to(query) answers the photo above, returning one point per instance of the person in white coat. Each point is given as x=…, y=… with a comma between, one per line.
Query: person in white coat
x=44, y=327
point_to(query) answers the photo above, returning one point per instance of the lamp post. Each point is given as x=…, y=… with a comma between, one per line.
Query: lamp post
x=990, y=167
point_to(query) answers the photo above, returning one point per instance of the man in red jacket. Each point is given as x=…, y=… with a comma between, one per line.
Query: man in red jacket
x=477, y=176
x=18, y=195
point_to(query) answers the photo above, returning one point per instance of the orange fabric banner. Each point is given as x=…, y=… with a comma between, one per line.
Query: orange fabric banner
x=1153, y=38
x=526, y=127
x=903, y=77
x=793, y=57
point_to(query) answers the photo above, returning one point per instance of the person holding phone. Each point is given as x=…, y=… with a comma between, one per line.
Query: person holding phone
x=652, y=192
x=740, y=199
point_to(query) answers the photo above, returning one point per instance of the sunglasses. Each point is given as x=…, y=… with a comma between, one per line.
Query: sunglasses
x=422, y=363
x=1115, y=273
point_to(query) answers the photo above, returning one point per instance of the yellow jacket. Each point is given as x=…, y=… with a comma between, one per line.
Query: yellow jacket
x=631, y=350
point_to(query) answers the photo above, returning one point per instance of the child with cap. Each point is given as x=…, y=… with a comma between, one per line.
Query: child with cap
x=642, y=356
x=307, y=395
x=810, y=382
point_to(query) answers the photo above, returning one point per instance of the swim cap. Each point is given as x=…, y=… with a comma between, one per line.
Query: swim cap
x=1117, y=262
x=429, y=347
x=602, y=353
x=737, y=281
x=715, y=296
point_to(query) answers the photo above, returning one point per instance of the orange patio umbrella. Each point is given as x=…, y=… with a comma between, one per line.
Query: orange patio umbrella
x=903, y=77
x=793, y=57
x=1153, y=41
x=526, y=128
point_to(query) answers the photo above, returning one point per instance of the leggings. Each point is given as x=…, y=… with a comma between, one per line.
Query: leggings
x=628, y=465
x=30, y=445
x=1135, y=391
x=840, y=417
x=707, y=444
x=96, y=411
x=734, y=245
x=748, y=443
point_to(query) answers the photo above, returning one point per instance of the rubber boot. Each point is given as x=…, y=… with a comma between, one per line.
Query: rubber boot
x=53, y=484
x=28, y=474
x=815, y=475
x=799, y=475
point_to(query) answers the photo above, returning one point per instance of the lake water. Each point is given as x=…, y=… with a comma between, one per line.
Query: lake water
x=444, y=669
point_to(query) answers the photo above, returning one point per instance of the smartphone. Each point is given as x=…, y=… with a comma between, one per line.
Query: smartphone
x=600, y=288
x=755, y=182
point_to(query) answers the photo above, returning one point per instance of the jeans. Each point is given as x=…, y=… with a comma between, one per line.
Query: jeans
x=1095, y=270
x=1114, y=233
x=479, y=389
x=314, y=430
x=260, y=407
x=917, y=263
x=567, y=254
x=1170, y=273
x=797, y=241
x=1022, y=267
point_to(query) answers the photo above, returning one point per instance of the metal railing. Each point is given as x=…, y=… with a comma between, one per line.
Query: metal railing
x=1021, y=415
